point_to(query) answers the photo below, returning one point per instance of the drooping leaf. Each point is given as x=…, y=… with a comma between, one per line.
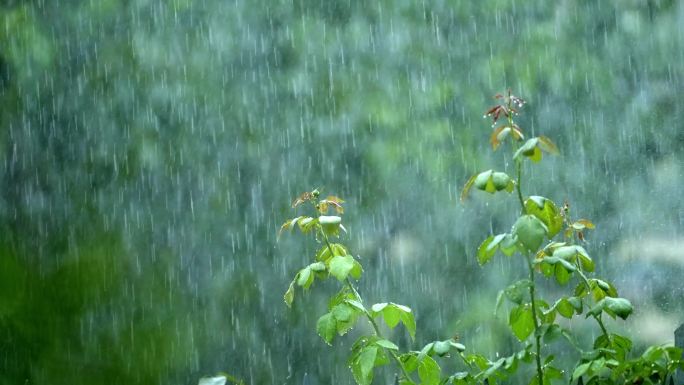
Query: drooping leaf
x=356, y=270
x=502, y=182
x=409, y=322
x=620, y=307
x=429, y=372
x=362, y=365
x=561, y=273
x=394, y=313
x=289, y=294
x=289, y=224
x=484, y=252
x=341, y=266
x=547, y=145
x=530, y=232
x=467, y=187
x=356, y=304
x=441, y=348
x=489, y=181
x=521, y=321
x=483, y=181
x=503, y=242
x=498, y=135
x=305, y=278
x=307, y=224
x=330, y=224
x=580, y=370
x=327, y=327
x=564, y=307
x=533, y=148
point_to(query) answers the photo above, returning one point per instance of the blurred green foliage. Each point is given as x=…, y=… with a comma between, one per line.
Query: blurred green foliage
x=147, y=146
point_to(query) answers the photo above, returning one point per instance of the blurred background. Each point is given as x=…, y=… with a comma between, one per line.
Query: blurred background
x=152, y=148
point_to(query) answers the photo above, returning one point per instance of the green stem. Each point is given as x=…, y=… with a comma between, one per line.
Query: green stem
x=596, y=316
x=370, y=318
x=518, y=165
x=533, y=298
x=537, y=336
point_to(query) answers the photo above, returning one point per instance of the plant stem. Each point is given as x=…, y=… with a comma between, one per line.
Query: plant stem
x=370, y=318
x=596, y=317
x=518, y=165
x=533, y=299
x=537, y=337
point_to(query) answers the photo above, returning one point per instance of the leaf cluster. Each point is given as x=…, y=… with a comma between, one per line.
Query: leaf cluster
x=544, y=238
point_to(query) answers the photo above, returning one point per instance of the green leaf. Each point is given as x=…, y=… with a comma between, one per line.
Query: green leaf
x=391, y=315
x=305, y=278
x=306, y=224
x=562, y=273
x=289, y=294
x=521, y=321
x=530, y=150
x=508, y=245
x=466, y=188
x=483, y=181
x=441, y=348
x=580, y=370
x=289, y=224
x=552, y=373
x=564, y=307
x=484, y=253
x=394, y=313
x=458, y=346
x=356, y=270
x=409, y=361
x=341, y=266
x=530, y=232
x=327, y=327
x=324, y=253
x=547, y=145
x=429, y=372
x=502, y=182
x=491, y=182
x=387, y=344
x=533, y=148
x=345, y=315
x=489, y=246
x=363, y=364
x=576, y=304
x=330, y=224
x=546, y=211
x=425, y=351
x=342, y=312
x=620, y=307
x=410, y=323
x=356, y=304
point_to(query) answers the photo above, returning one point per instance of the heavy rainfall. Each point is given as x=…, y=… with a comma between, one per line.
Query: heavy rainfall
x=152, y=150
